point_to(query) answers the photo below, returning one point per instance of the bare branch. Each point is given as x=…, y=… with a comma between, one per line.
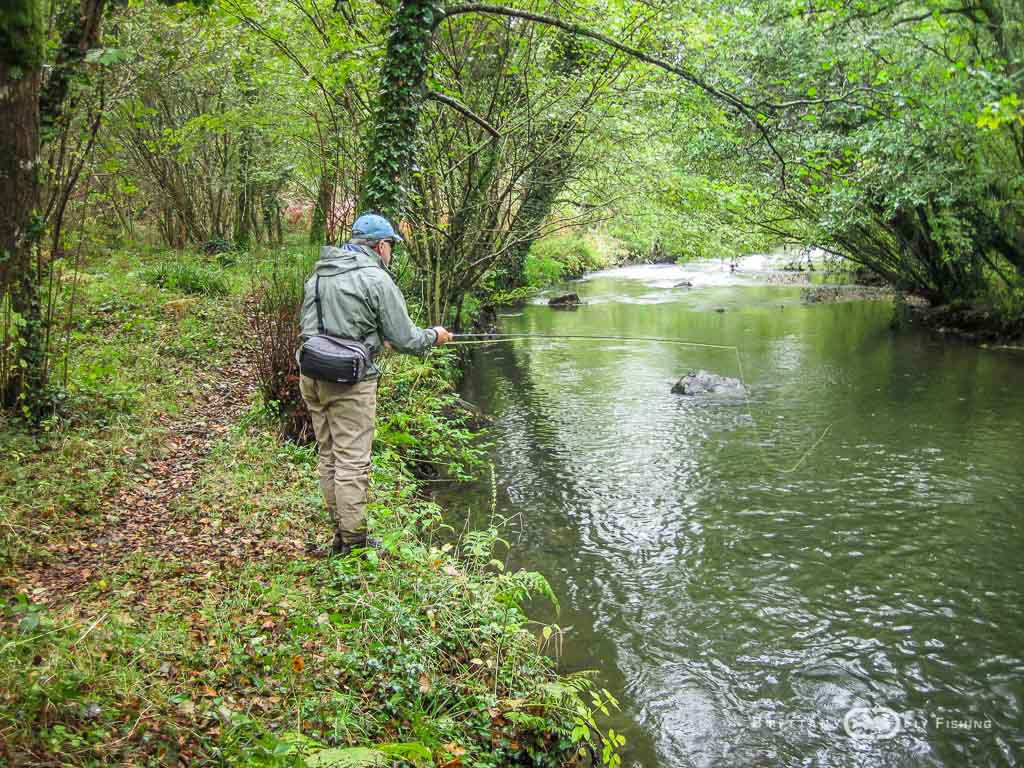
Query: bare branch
x=576, y=29
x=464, y=111
x=970, y=11
x=843, y=97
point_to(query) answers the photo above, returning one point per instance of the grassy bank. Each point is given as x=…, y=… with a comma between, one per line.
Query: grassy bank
x=162, y=600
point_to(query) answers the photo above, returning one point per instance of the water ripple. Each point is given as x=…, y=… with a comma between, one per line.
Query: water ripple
x=741, y=610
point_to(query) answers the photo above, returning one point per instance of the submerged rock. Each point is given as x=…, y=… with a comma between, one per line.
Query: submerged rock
x=707, y=383
x=565, y=300
x=684, y=284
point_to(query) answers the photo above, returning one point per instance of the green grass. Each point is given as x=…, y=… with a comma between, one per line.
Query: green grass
x=131, y=364
x=188, y=277
x=418, y=654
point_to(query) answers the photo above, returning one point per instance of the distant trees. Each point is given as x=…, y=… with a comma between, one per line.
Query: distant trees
x=195, y=132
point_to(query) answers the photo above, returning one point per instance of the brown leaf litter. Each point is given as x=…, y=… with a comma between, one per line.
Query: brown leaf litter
x=142, y=520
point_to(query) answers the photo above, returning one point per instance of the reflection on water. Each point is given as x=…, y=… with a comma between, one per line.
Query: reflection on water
x=740, y=610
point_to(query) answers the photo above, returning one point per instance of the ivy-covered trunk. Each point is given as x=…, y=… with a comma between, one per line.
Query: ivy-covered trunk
x=544, y=182
x=21, y=62
x=392, y=141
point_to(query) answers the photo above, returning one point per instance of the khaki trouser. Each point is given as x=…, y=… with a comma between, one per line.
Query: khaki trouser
x=343, y=417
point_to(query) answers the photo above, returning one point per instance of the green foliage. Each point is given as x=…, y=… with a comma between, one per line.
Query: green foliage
x=22, y=35
x=542, y=271
x=894, y=133
x=560, y=257
x=687, y=217
x=417, y=653
x=296, y=750
x=185, y=276
x=419, y=421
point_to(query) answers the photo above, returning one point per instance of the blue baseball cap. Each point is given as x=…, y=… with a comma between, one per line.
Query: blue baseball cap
x=374, y=227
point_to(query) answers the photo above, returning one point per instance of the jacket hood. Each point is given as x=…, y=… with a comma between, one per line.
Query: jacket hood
x=335, y=261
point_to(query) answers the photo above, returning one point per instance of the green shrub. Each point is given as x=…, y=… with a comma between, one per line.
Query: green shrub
x=562, y=257
x=215, y=246
x=188, y=277
x=543, y=270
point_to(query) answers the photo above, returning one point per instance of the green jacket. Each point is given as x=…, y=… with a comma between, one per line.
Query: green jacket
x=360, y=300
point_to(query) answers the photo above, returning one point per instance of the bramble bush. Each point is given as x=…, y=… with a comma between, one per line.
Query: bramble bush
x=273, y=317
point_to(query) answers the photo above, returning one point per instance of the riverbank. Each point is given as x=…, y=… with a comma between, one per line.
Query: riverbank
x=985, y=323
x=969, y=322
x=164, y=601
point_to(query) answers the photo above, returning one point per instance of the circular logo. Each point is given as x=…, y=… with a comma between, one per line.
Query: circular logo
x=872, y=723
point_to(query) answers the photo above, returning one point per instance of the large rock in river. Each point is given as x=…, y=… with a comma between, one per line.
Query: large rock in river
x=706, y=383
x=565, y=300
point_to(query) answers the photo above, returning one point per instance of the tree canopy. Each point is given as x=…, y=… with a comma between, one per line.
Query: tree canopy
x=887, y=132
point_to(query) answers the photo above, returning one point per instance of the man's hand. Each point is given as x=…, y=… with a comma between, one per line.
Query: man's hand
x=443, y=335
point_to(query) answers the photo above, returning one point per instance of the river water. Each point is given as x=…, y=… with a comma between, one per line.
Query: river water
x=746, y=612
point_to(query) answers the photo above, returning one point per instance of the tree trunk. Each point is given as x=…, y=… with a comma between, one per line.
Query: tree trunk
x=243, y=228
x=21, y=61
x=544, y=182
x=323, y=208
x=271, y=217
x=76, y=41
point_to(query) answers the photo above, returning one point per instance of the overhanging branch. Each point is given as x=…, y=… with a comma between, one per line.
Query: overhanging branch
x=751, y=113
x=611, y=42
x=463, y=110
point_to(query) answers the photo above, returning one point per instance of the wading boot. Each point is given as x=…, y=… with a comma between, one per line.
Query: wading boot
x=339, y=546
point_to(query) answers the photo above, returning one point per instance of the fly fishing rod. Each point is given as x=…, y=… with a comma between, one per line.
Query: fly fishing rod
x=499, y=338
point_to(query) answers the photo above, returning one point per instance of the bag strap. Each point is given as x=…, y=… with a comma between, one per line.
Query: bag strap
x=319, y=308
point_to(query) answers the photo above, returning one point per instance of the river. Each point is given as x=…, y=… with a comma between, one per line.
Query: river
x=746, y=612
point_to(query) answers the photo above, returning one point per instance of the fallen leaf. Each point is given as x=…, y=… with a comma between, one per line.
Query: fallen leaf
x=456, y=751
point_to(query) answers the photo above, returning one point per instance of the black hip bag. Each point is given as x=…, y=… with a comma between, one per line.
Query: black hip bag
x=330, y=358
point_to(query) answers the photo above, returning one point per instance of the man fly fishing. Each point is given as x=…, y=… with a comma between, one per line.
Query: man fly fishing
x=351, y=309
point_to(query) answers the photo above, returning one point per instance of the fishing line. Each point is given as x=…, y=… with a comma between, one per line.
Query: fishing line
x=499, y=338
